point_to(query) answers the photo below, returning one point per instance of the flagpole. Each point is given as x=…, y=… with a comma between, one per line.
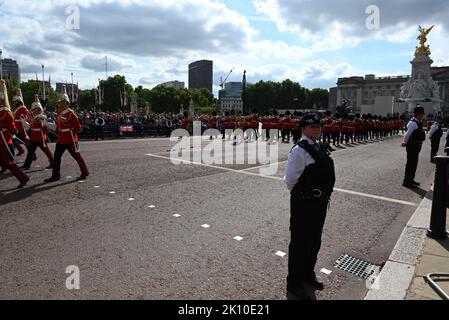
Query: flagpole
x=1, y=65
x=72, y=87
x=43, y=83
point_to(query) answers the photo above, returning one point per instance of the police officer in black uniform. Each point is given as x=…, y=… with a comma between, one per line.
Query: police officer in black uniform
x=435, y=134
x=310, y=177
x=99, y=127
x=413, y=140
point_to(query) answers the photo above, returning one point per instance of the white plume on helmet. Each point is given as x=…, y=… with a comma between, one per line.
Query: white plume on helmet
x=64, y=96
x=36, y=104
x=4, y=101
x=18, y=96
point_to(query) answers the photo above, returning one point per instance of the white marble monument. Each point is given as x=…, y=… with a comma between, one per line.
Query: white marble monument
x=421, y=88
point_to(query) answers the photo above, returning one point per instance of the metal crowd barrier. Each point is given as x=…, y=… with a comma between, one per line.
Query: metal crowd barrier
x=116, y=131
x=432, y=278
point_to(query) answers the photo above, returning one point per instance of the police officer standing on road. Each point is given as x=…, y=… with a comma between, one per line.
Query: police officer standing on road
x=99, y=127
x=413, y=140
x=310, y=177
x=435, y=134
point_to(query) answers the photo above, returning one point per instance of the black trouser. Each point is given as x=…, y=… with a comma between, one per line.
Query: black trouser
x=99, y=132
x=59, y=151
x=306, y=226
x=413, y=150
x=435, y=142
x=32, y=153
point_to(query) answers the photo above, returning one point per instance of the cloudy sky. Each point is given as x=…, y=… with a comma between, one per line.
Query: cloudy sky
x=152, y=41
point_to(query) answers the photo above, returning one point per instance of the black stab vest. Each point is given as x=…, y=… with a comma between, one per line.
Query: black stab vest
x=319, y=175
x=419, y=135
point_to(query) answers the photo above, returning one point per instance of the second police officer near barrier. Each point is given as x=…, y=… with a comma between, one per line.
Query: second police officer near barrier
x=310, y=177
x=413, y=140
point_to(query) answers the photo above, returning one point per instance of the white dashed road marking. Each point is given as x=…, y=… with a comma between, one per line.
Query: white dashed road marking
x=366, y=195
x=238, y=238
x=112, y=192
x=151, y=206
x=326, y=271
x=205, y=226
x=131, y=199
x=281, y=254
x=176, y=215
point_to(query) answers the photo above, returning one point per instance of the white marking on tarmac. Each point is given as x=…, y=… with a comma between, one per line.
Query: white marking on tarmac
x=131, y=199
x=366, y=195
x=205, y=226
x=69, y=177
x=213, y=166
x=112, y=192
x=151, y=206
x=238, y=238
x=372, y=196
x=96, y=187
x=176, y=215
x=281, y=254
x=326, y=271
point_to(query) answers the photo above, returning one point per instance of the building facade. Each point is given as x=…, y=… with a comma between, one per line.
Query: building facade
x=173, y=84
x=231, y=103
x=201, y=74
x=362, y=91
x=231, y=97
x=11, y=68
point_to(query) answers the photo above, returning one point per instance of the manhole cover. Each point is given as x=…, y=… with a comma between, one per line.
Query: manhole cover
x=358, y=267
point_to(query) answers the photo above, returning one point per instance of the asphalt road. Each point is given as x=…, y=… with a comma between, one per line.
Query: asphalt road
x=126, y=249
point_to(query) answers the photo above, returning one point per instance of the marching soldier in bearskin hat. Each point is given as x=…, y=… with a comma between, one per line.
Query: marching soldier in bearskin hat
x=7, y=131
x=67, y=126
x=38, y=135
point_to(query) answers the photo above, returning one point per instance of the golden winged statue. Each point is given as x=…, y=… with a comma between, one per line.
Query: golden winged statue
x=422, y=41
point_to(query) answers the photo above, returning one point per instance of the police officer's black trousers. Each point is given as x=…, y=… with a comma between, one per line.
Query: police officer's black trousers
x=435, y=142
x=306, y=226
x=413, y=150
x=99, y=133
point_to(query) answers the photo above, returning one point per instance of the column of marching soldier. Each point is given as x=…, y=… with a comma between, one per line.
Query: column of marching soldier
x=30, y=127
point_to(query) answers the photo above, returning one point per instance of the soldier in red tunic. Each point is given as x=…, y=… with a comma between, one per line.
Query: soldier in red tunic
x=67, y=127
x=7, y=131
x=22, y=118
x=38, y=135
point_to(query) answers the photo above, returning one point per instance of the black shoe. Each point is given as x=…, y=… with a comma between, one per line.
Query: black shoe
x=416, y=183
x=52, y=179
x=25, y=168
x=81, y=178
x=49, y=167
x=22, y=184
x=3, y=170
x=409, y=185
x=316, y=283
x=298, y=293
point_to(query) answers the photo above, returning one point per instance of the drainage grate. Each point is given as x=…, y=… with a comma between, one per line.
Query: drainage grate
x=358, y=267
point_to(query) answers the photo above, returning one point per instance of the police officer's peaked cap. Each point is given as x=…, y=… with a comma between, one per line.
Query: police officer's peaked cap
x=311, y=118
x=418, y=111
